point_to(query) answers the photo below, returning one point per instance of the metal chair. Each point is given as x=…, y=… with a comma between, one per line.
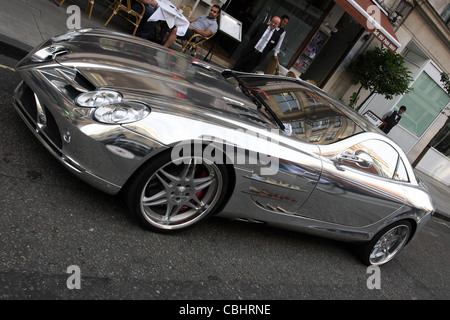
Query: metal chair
x=194, y=43
x=187, y=10
x=291, y=74
x=273, y=67
x=119, y=6
x=87, y=3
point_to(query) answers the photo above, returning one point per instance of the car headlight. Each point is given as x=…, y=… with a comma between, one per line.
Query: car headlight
x=121, y=112
x=94, y=99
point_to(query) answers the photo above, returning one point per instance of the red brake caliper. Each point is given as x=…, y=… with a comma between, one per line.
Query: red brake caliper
x=199, y=194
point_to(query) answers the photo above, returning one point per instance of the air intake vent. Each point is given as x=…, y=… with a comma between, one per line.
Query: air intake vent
x=75, y=80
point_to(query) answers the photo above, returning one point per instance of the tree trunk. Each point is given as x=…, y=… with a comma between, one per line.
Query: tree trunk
x=365, y=100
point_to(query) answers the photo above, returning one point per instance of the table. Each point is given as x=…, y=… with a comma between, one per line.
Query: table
x=167, y=12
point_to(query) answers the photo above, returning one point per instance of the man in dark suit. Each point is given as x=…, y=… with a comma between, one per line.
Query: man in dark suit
x=283, y=23
x=392, y=118
x=263, y=39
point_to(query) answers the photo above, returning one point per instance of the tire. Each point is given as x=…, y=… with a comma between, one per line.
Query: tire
x=174, y=194
x=386, y=244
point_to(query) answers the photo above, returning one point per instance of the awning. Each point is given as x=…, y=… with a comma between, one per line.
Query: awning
x=373, y=18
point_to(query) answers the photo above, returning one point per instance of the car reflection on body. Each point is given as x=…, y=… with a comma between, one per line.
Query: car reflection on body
x=183, y=141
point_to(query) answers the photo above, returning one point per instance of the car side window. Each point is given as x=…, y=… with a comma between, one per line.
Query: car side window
x=401, y=173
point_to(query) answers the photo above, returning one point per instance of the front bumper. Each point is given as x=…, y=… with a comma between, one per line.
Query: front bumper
x=105, y=156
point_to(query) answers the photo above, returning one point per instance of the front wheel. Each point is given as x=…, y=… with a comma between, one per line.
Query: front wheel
x=386, y=244
x=174, y=194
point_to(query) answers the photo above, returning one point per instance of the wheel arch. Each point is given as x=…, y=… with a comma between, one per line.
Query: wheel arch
x=227, y=164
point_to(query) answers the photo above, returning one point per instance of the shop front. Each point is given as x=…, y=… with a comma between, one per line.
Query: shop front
x=319, y=35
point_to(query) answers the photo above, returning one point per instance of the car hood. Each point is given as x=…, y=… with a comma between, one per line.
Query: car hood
x=142, y=70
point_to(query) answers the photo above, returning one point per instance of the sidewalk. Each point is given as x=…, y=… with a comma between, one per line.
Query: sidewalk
x=27, y=23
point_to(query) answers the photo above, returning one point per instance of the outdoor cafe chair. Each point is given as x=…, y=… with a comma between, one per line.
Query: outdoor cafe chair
x=131, y=16
x=194, y=43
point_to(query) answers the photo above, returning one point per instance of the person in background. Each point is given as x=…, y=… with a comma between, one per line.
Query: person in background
x=263, y=39
x=145, y=27
x=203, y=25
x=284, y=21
x=392, y=118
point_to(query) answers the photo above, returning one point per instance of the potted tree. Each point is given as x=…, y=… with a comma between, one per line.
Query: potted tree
x=379, y=71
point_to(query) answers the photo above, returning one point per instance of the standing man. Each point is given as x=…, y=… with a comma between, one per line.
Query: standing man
x=392, y=118
x=203, y=25
x=283, y=23
x=263, y=39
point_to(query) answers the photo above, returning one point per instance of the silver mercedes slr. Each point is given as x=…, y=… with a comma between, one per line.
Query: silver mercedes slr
x=182, y=141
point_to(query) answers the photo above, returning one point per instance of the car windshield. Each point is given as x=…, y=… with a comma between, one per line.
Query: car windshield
x=304, y=113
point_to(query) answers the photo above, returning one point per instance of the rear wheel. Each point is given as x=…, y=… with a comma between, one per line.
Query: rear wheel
x=386, y=244
x=174, y=194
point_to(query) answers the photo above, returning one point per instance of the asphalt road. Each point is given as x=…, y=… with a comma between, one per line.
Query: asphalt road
x=50, y=221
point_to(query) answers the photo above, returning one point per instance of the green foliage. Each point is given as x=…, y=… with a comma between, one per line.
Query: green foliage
x=353, y=100
x=445, y=81
x=380, y=71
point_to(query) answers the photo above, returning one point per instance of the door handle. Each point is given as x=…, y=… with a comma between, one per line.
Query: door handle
x=360, y=157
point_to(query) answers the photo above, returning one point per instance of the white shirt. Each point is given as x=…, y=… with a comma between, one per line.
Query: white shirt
x=387, y=114
x=278, y=46
x=264, y=39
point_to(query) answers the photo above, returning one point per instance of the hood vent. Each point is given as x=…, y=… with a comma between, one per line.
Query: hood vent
x=50, y=53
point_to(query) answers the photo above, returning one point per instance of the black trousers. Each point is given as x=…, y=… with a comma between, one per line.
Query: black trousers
x=248, y=62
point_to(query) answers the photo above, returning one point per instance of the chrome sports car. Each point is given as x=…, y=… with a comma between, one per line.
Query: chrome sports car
x=182, y=141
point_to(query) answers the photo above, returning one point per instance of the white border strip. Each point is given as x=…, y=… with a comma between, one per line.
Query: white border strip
x=374, y=22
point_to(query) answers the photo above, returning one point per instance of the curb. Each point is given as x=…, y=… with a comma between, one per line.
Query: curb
x=441, y=216
x=13, y=48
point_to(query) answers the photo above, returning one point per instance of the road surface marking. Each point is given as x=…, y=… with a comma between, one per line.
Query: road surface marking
x=6, y=67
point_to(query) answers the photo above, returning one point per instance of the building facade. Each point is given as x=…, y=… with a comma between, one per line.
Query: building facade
x=423, y=132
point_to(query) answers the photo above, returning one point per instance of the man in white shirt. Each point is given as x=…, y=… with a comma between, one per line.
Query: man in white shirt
x=263, y=39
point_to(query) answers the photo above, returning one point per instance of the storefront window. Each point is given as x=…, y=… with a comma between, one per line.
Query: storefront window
x=424, y=103
x=441, y=141
x=303, y=16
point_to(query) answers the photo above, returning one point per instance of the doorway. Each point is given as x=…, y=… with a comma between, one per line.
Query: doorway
x=303, y=16
x=336, y=48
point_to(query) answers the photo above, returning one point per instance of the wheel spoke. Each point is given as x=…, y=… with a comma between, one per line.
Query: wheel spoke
x=172, y=178
x=188, y=171
x=197, y=205
x=379, y=251
x=155, y=200
x=171, y=211
x=202, y=183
